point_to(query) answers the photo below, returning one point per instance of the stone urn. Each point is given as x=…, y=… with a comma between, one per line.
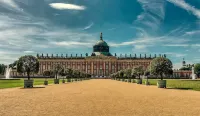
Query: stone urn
x=139, y=81
x=161, y=83
x=56, y=81
x=63, y=81
x=45, y=82
x=28, y=83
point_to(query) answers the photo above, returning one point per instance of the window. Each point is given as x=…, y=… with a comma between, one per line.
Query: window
x=100, y=65
x=43, y=67
x=106, y=66
x=113, y=66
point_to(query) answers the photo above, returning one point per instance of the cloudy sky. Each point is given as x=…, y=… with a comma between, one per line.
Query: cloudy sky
x=169, y=27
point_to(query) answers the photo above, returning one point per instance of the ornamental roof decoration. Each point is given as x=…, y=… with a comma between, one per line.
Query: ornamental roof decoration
x=101, y=42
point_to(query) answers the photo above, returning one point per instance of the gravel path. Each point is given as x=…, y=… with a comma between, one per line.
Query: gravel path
x=99, y=98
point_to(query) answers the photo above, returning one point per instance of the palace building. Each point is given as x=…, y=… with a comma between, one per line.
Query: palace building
x=185, y=72
x=100, y=63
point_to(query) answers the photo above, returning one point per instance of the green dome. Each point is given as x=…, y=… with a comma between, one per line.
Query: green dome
x=101, y=43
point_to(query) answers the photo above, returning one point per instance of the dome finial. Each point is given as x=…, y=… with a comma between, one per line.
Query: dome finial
x=184, y=63
x=101, y=36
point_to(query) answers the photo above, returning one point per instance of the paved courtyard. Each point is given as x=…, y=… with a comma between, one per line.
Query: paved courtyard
x=99, y=98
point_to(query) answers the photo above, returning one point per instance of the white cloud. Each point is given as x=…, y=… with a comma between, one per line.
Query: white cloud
x=23, y=34
x=176, y=45
x=192, y=32
x=138, y=41
x=153, y=41
x=140, y=46
x=63, y=6
x=7, y=56
x=195, y=45
x=89, y=26
x=173, y=54
x=154, y=13
x=71, y=44
x=10, y=4
x=177, y=65
x=29, y=52
x=182, y=4
x=197, y=60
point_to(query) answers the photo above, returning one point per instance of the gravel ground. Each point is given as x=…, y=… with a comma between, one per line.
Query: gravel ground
x=99, y=98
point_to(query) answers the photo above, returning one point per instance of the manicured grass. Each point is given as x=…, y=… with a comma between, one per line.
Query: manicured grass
x=20, y=83
x=183, y=84
x=178, y=84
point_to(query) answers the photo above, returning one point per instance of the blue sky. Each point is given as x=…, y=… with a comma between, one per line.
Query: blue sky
x=169, y=27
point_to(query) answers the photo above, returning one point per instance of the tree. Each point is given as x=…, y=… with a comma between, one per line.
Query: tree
x=138, y=71
x=57, y=69
x=13, y=64
x=2, y=69
x=146, y=73
x=121, y=74
x=69, y=72
x=62, y=72
x=28, y=64
x=170, y=73
x=197, y=69
x=133, y=75
x=161, y=66
x=79, y=74
x=128, y=73
x=75, y=74
x=47, y=73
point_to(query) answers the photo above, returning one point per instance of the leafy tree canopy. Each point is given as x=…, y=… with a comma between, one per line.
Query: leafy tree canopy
x=160, y=66
x=128, y=72
x=138, y=71
x=14, y=64
x=47, y=73
x=197, y=68
x=28, y=64
x=2, y=68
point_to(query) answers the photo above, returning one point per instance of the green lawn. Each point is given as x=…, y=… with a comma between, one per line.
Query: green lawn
x=20, y=83
x=178, y=84
x=171, y=83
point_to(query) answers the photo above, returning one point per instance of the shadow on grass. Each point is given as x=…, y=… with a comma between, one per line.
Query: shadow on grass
x=180, y=88
x=32, y=88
